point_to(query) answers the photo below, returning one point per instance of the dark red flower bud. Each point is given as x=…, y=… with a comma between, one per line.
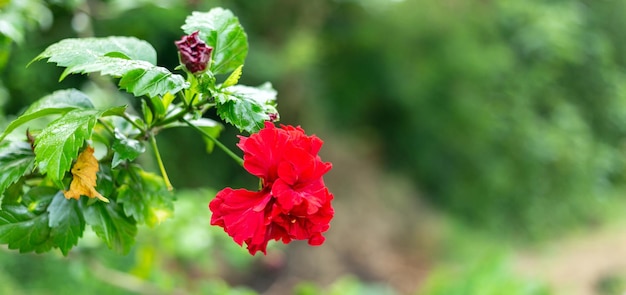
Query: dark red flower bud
x=194, y=53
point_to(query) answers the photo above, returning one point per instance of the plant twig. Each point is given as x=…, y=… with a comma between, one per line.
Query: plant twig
x=130, y=120
x=160, y=162
x=217, y=142
x=106, y=126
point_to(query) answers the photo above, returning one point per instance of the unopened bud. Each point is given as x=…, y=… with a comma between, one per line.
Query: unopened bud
x=194, y=53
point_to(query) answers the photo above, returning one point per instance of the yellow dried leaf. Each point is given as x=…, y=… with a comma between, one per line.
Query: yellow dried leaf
x=84, y=180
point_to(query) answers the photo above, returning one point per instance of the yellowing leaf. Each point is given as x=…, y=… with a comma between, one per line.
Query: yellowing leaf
x=84, y=180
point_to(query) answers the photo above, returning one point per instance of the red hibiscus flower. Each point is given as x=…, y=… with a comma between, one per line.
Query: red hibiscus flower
x=293, y=203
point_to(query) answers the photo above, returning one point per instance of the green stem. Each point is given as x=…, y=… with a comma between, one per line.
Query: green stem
x=171, y=119
x=188, y=109
x=160, y=162
x=107, y=127
x=130, y=120
x=217, y=143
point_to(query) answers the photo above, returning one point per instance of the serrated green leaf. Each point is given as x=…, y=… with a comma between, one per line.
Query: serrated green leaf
x=126, y=149
x=157, y=107
x=104, y=180
x=147, y=112
x=16, y=159
x=244, y=114
x=38, y=198
x=13, y=194
x=110, y=223
x=57, y=145
x=264, y=94
x=58, y=102
x=233, y=79
x=66, y=222
x=75, y=51
x=145, y=196
x=118, y=55
x=114, y=111
x=246, y=107
x=140, y=78
x=24, y=230
x=128, y=58
x=167, y=100
x=220, y=29
x=25, y=226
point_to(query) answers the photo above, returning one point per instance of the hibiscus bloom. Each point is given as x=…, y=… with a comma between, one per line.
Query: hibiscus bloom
x=293, y=202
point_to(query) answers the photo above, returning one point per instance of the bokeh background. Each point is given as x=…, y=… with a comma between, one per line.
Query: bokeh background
x=478, y=147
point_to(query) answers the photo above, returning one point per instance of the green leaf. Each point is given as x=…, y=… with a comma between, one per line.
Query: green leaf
x=167, y=100
x=13, y=194
x=220, y=29
x=128, y=58
x=233, y=79
x=126, y=149
x=11, y=28
x=104, y=180
x=110, y=223
x=114, y=111
x=66, y=222
x=157, y=107
x=140, y=78
x=25, y=226
x=59, y=102
x=145, y=196
x=246, y=107
x=148, y=117
x=16, y=159
x=76, y=51
x=57, y=145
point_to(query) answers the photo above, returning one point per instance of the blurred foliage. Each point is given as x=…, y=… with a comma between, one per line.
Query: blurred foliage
x=509, y=114
x=347, y=285
x=486, y=277
x=611, y=284
x=178, y=258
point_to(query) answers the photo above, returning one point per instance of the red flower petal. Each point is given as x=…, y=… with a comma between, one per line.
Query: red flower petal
x=298, y=166
x=263, y=150
x=301, y=226
x=242, y=215
x=289, y=196
x=311, y=144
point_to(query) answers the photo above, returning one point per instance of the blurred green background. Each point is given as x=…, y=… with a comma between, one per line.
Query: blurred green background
x=478, y=147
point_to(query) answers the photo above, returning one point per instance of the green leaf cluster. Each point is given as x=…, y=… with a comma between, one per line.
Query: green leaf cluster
x=16, y=19
x=220, y=29
x=127, y=58
x=244, y=107
x=36, y=171
x=247, y=107
x=35, y=216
